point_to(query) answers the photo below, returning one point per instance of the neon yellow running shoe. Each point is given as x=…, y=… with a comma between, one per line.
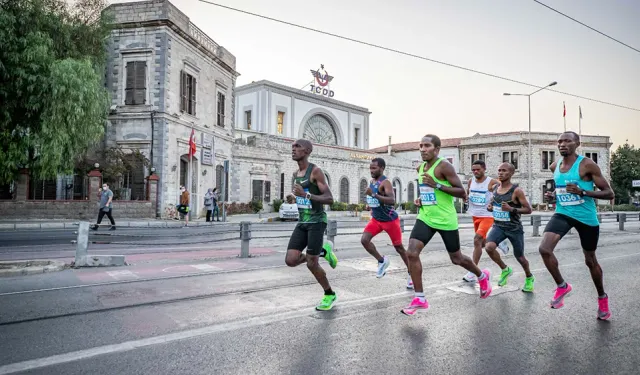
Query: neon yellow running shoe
x=327, y=302
x=504, y=276
x=329, y=255
x=528, y=284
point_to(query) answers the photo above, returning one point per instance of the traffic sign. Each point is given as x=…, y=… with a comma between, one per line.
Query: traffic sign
x=635, y=183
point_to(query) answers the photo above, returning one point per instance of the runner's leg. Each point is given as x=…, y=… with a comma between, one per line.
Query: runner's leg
x=555, y=229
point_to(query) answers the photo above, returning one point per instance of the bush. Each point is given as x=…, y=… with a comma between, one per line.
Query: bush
x=339, y=206
x=411, y=207
x=276, y=204
x=625, y=207
x=256, y=205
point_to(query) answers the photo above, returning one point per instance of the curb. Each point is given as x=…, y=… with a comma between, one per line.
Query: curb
x=31, y=267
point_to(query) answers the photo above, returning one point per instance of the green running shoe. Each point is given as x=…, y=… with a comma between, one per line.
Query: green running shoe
x=329, y=255
x=327, y=302
x=528, y=284
x=504, y=276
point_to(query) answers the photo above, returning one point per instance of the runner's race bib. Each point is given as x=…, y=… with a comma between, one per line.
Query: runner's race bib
x=499, y=215
x=372, y=202
x=478, y=198
x=565, y=198
x=303, y=202
x=427, y=195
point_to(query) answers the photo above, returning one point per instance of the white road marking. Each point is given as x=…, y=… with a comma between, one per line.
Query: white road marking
x=218, y=328
x=205, y=267
x=126, y=274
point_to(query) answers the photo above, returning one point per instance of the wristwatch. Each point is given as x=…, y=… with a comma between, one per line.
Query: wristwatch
x=438, y=186
x=308, y=196
x=582, y=192
x=514, y=210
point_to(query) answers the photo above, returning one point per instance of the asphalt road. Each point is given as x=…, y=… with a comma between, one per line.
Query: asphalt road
x=261, y=320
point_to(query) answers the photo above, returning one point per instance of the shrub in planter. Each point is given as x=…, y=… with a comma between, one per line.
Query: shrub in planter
x=256, y=205
x=276, y=204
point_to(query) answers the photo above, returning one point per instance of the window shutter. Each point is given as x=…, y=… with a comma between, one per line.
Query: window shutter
x=139, y=95
x=267, y=191
x=193, y=96
x=257, y=189
x=130, y=83
x=183, y=91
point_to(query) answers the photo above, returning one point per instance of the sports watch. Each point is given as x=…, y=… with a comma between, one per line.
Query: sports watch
x=438, y=186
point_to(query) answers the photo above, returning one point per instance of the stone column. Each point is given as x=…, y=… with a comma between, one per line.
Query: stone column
x=95, y=182
x=152, y=191
x=22, y=185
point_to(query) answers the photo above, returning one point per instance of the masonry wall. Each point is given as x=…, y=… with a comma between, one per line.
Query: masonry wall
x=85, y=210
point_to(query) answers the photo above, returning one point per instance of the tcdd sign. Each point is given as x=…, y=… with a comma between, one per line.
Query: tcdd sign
x=321, y=85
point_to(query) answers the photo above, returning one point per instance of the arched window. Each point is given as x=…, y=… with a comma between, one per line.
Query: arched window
x=410, y=192
x=344, y=190
x=397, y=190
x=319, y=129
x=364, y=184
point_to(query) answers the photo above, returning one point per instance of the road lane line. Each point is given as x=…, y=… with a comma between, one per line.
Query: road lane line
x=218, y=328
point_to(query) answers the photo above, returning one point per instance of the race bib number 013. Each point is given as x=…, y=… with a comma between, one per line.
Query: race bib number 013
x=565, y=198
x=427, y=195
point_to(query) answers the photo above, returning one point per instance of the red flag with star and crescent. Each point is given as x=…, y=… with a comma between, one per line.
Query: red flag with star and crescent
x=192, y=143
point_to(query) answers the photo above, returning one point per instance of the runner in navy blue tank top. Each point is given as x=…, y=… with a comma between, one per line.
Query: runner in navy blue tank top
x=381, y=199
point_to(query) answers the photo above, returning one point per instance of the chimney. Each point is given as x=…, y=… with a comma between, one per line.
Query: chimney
x=389, y=147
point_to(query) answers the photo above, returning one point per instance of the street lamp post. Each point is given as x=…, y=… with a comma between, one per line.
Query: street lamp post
x=529, y=157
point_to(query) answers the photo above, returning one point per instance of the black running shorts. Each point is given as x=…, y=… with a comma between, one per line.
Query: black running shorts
x=561, y=224
x=423, y=233
x=497, y=235
x=309, y=235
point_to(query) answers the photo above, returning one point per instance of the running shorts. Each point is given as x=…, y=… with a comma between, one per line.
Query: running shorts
x=481, y=225
x=309, y=235
x=497, y=235
x=424, y=233
x=561, y=224
x=391, y=227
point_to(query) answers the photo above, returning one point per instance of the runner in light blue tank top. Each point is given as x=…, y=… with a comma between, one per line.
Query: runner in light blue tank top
x=581, y=208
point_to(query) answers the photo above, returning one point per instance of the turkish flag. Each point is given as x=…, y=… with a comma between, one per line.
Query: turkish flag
x=192, y=143
x=564, y=112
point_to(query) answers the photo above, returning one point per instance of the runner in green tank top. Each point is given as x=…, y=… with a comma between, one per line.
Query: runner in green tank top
x=311, y=193
x=437, y=187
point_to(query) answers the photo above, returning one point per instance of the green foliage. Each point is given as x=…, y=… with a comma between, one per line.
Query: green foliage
x=256, y=205
x=339, y=206
x=625, y=167
x=54, y=104
x=114, y=163
x=625, y=207
x=276, y=204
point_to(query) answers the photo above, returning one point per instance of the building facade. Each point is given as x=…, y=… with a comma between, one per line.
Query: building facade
x=266, y=107
x=167, y=80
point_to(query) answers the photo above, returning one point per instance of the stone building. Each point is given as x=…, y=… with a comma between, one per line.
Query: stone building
x=166, y=79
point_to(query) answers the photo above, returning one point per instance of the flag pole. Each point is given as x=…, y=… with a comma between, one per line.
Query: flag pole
x=580, y=124
x=190, y=177
x=564, y=116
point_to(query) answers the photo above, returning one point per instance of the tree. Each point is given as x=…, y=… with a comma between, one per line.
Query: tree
x=625, y=167
x=54, y=103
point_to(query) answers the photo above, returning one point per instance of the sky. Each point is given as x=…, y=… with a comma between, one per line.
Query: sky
x=410, y=97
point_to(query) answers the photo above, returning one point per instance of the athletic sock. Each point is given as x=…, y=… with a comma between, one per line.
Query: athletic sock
x=381, y=261
x=323, y=253
x=603, y=296
x=329, y=292
x=482, y=276
x=563, y=285
x=421, y=297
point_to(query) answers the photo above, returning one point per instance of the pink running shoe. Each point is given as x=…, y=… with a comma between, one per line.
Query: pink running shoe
x=558, y=297
x=603, y=308
x=485, y=284
x=414, y=306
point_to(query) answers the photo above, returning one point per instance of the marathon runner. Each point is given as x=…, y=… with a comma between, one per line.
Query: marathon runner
x=438, y=184
x=311, y=192
x=508, y=204
x=380, y=199
x=575, y=177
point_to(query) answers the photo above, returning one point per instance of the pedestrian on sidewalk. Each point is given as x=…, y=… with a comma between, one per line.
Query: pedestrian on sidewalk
x=183, y=207
x=211, y=203
x=106, y=200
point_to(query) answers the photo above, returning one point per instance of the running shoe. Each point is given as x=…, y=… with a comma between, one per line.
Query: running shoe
x=558, y=297
x=528, y=284
x=329, y=255
x=470, y=277
x=603, y=308
x=504, y=247
x=504, y=276
x=485, y=284
x=409, y=283
x=382, y=267
x=414, y=306
x=327, y=302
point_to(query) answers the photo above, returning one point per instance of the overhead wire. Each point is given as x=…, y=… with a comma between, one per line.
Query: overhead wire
x=414, y=55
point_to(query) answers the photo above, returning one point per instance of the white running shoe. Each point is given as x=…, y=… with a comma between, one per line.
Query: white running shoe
x=504, y=247
x=382, y=267
x=470, y=277
x=409, y=283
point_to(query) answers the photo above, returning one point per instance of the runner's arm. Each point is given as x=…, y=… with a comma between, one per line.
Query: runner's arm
x=325, y=196
x=388, y=197
x=605, y=191
x=522, y=199
x=456, y=189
